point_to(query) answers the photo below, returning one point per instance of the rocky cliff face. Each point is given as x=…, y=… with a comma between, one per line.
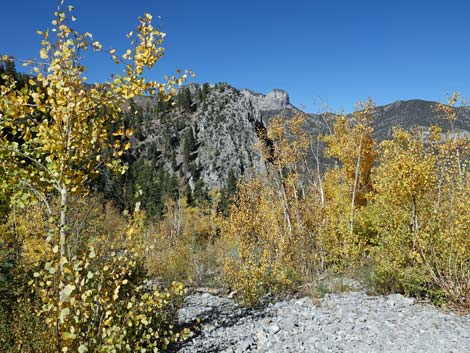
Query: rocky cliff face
x=273, y=101
x=224, y=123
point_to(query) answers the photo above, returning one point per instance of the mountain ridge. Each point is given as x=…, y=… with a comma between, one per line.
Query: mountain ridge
x=225, y=122
x=209, y=131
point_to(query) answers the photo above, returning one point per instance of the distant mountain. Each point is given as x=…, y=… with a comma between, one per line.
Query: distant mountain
x=415, y=113
x=210, y=131
x=224, y=121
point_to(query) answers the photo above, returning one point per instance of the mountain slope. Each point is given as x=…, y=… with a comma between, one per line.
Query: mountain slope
x=224, y=122
x=208, y=132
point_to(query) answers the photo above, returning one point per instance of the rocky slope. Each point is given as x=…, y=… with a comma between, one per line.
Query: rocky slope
x=349, y=322
x=225, y=123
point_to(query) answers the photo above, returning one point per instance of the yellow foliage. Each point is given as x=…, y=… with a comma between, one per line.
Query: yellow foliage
x=401, y=209
x=422, y=192
x=341, y=248
x=351, y=143
x=23, y=233
x=261, y=244
x=102, y=308
x=271, y=245
x=55, y=133
x=184, y=245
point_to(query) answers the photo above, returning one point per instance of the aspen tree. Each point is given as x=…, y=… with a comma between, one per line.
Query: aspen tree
x=57, y=130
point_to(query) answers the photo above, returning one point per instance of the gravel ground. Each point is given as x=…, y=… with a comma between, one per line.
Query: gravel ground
x=348, y=322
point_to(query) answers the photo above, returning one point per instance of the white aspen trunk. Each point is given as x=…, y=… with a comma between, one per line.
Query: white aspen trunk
x=353, y=197
x=63, y=225
x=285, y=201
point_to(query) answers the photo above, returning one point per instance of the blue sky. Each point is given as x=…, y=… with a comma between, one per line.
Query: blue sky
x=321, y=52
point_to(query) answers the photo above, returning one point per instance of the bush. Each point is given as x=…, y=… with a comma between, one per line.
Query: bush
x=103, y=306
x=185, y=245
x=102, y=303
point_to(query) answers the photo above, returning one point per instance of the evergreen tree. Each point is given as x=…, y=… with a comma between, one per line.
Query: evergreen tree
x=205, y=90
x=189, y=145
x=188, y=193
x=200, y=195
x=10, y=68
x=2, y=70
x=186, y=101
x=174, y=164
x=231, y=186
x=227, y=193
x=172, y=187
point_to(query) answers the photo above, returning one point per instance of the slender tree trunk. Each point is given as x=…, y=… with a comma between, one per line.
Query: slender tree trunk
x=316, y=154
x=285, y=201
x=63, y=225
x=353, y=197
x=414, y=220
x=320, y=185
x=62, y=253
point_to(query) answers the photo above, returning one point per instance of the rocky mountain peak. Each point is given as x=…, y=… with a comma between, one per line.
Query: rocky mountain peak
x=224, y=124
x=277, y=99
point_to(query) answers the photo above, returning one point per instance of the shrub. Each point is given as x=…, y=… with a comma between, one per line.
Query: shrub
x=185, y=245
x=103, y=305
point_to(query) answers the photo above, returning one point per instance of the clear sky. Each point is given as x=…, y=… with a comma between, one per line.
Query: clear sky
x=321, y=52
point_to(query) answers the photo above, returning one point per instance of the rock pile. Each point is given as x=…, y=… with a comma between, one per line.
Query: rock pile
x=349, y=322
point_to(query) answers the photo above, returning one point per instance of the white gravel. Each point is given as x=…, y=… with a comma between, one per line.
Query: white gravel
x=349, y=322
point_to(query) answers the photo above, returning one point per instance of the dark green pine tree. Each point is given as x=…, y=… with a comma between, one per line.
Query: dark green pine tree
x=2, y=70
x=172, y=186
x=227, y=194
x=189, y=145
x=224, y=205
x=200, y=194
x=8, y=67
x=231, y=186
x=186, y=101
x=188, y=193
x=174, y=164
x=205, y=90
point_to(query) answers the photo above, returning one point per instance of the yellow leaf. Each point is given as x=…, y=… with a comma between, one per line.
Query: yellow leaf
x=66, y=292
x=63, y=314
x=43, y=53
